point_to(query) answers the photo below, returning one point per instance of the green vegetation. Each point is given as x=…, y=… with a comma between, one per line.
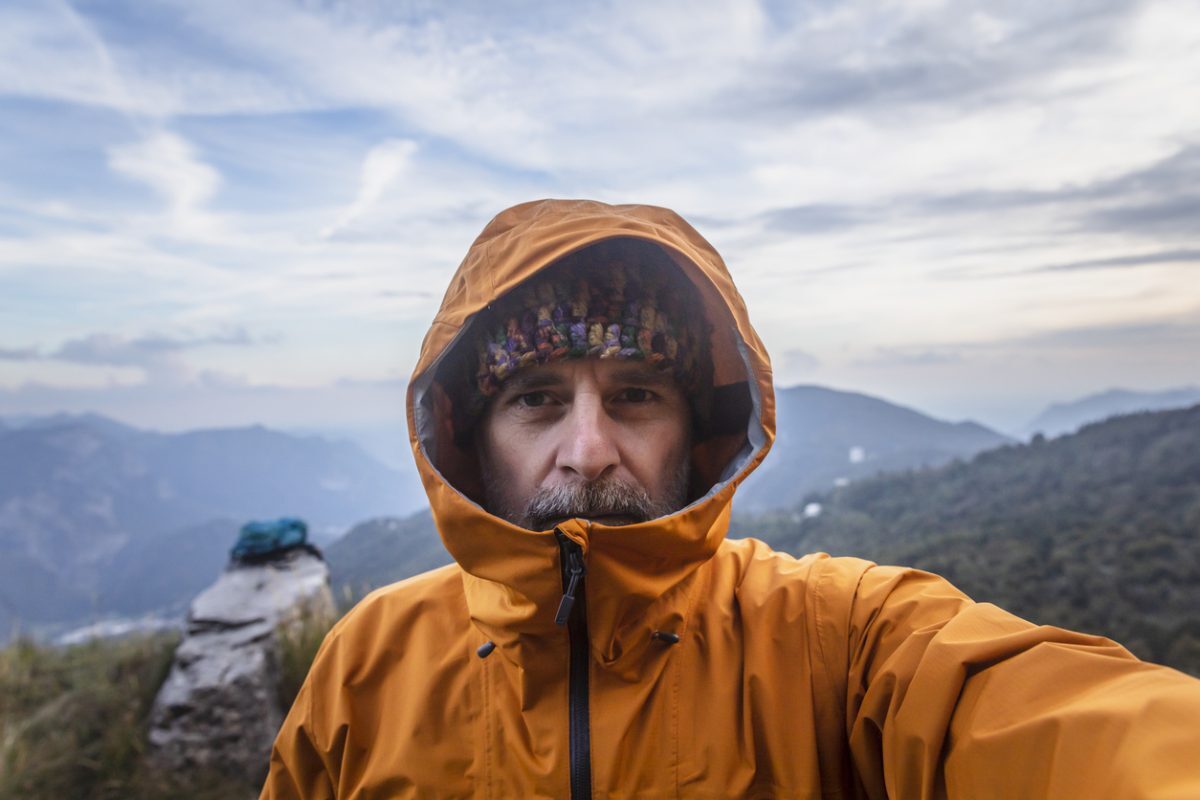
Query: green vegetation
x=382, y=551
x=298, y=643
x=73, y=722
x=1097, y=532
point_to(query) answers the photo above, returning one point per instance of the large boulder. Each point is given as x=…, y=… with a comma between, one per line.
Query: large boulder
x=219, y=708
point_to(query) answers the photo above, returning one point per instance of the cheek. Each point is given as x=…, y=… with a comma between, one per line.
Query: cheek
x=519, y=459
x=659, y=452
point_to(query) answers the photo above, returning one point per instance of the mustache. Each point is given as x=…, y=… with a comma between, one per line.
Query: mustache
x=608, y=497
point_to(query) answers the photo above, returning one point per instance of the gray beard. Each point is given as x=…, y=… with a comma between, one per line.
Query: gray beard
x=607, y=497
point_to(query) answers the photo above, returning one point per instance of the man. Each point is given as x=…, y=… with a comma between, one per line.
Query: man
x=587, y=400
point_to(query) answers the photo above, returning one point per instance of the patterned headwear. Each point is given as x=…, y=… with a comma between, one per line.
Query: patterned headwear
x=600, y=303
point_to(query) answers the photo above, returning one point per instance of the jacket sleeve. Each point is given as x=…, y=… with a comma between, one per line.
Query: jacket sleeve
x=299, y=769
x=950, y=698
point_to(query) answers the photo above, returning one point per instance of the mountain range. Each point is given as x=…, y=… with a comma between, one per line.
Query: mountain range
x=826, y=437
x=1061, y=418
x=97, y=517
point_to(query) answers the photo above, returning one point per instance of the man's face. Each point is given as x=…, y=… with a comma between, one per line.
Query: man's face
x=598, y=439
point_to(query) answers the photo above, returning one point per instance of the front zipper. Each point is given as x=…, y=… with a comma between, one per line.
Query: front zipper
x=572, y=612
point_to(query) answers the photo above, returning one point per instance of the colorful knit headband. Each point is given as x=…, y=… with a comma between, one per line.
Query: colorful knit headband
x=605, y=310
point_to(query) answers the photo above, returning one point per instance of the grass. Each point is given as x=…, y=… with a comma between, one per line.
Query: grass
x=74, y=723
x=298, y=642
x=72, y=720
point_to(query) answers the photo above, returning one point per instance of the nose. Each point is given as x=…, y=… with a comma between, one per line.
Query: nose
x=588, y=445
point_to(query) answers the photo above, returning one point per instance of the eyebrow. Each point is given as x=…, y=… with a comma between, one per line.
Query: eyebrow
x=528, y=381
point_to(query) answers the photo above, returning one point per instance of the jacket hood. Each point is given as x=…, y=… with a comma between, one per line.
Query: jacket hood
x=635, y=573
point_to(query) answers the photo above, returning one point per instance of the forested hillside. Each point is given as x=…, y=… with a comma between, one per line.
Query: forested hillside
x=1098, y=531
x=381, y=551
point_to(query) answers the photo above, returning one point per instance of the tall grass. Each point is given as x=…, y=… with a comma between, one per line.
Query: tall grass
x=297, y=644
x=73, y=723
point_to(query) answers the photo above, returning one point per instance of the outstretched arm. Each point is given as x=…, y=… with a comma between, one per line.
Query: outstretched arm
x=946, y=697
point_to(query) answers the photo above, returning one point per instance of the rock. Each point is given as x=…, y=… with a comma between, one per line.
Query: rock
x=219, y=708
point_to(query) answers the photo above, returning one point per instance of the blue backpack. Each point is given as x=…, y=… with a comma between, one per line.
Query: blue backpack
x=268, y=537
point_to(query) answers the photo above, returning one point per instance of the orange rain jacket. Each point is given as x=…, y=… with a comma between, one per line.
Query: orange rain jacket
x=791, y=678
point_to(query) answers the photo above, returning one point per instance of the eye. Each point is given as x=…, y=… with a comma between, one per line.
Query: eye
x=635, y=394
x=532, y=399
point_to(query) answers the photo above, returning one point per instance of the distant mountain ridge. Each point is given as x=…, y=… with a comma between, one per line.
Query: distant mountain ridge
x=824, y=435
x=98, y=517
x=1068, y=417
x=94, y=514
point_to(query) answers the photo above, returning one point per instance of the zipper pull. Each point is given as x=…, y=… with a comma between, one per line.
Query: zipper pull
x=573, y=572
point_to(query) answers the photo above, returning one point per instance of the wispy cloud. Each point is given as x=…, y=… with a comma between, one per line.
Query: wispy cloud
x=159, y=357
x=1137, y=260
x=1159, y=337
x=217, y=400
x=55, y=51
x=890, y=358
x=382, y=166
x=815, y=218
x=19, y=354
x=103, y=348
x=168, y=164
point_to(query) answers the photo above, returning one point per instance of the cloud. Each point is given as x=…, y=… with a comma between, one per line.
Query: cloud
x=1176, y=216
x=19, y=354
x=407, y=294
x=877, y=57
x=159, y=357
x=382, y=166
x=975, y=201
x=1138, y=260
x=168, y=164
x=816, y=218
x=794, y=362
x=890, y=357
x=103, y=348
x=150, y=69
x=220, y=400
x=81, y=69
x=1163, y=196
x=213, y=160
x=1161, y=337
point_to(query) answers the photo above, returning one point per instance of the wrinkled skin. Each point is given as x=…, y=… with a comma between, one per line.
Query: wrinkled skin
x=604, y=440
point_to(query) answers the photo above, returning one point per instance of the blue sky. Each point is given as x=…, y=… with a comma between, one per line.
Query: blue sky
x=225, y=212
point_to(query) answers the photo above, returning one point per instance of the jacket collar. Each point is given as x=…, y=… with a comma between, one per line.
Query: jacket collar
x=636, y=579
